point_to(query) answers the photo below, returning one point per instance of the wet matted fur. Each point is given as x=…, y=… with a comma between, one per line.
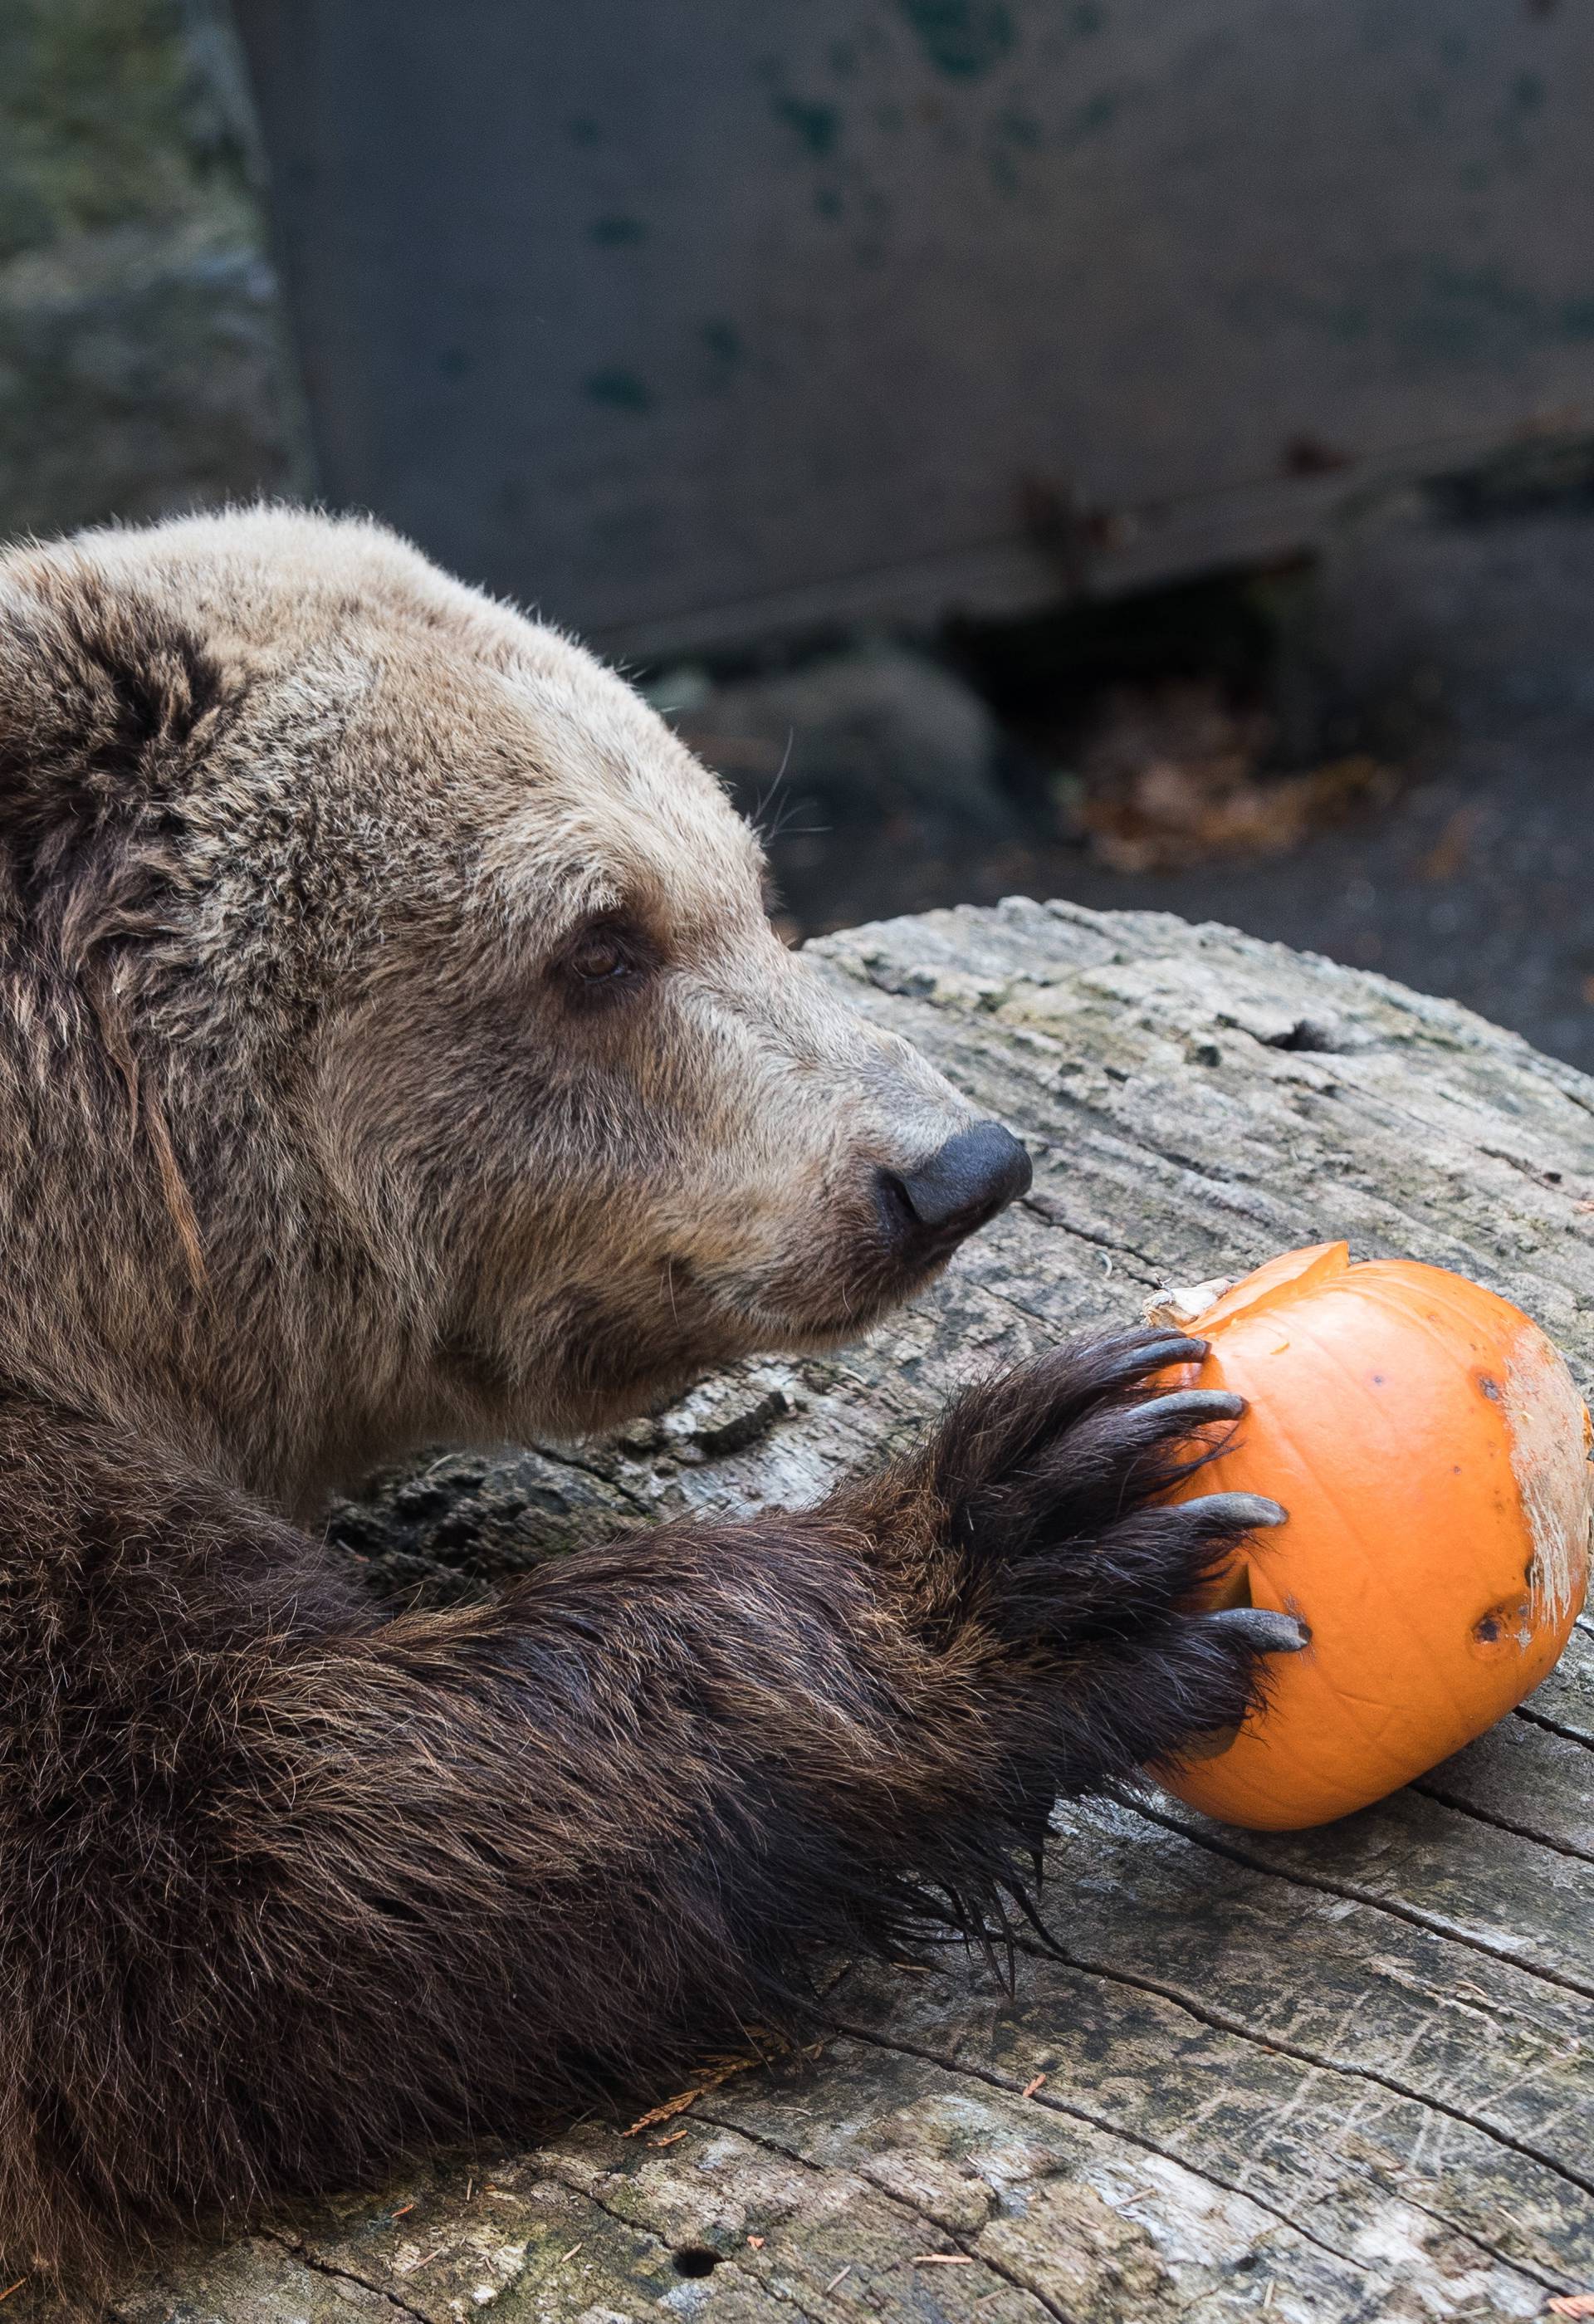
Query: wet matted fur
x=394, y=1048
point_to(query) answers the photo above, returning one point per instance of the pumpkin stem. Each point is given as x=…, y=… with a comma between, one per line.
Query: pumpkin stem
x=1181, y=1304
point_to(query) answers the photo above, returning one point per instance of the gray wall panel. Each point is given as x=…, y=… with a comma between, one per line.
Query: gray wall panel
x=689, y=319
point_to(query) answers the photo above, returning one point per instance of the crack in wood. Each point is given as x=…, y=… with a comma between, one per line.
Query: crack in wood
x=1345, y=2069
x=1447, y=1930
x=901, y=2202
x=562, y=1457
x=1071, y=2107
x=1040, y=1206
x=317, y=2266
x=575, y=2186
x=1460, y=1806
x=1553, y=1727
x=1516, y=2264
x=1526, y=2270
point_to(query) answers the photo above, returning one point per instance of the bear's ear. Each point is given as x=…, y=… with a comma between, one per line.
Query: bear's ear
x=104, y=700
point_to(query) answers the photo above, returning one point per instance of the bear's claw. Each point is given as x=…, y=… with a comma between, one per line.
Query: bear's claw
x=1057, y=1487
x=1244, y=1512
x=1273, y=1634
x=1192, y=1406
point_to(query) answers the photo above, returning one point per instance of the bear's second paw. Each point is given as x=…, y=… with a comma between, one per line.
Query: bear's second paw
x=1053, y=1485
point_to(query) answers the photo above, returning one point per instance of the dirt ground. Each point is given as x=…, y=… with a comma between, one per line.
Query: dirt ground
x=1454, y=857
x=1475, y=884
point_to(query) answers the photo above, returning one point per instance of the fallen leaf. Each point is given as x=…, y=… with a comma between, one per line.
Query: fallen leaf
x=711, y=2081
x=683, y=2099
x=1447, y=853
x=1173, y=773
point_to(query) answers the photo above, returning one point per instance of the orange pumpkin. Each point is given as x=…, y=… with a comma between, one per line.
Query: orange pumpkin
x=1431, y=1451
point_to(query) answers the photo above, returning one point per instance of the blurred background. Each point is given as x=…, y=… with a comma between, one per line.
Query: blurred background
x=1135, y=450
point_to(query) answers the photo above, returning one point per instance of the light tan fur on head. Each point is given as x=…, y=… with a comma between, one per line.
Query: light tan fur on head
x=396, y=1044
x=392, y=1047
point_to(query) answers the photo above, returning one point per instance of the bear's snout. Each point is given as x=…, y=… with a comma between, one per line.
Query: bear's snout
x=964, y=1184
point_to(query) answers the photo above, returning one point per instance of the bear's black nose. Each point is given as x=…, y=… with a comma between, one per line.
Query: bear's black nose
x=967, y=1182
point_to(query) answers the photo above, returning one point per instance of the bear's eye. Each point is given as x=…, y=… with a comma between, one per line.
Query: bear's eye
x=603, y=957
x=597, y=958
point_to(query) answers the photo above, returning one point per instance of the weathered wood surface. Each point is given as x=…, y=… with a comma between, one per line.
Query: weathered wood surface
x=1343, y=2074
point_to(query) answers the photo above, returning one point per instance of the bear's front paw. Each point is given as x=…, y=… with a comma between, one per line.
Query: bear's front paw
x=1054, y=1484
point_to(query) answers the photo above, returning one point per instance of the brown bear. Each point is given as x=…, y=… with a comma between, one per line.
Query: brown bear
x=394, y=1048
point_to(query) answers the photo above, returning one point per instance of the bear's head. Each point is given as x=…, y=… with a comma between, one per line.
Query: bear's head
x=434, y=976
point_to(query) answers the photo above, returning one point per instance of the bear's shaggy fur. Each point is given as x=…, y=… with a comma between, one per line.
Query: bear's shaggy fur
x=394, y=1048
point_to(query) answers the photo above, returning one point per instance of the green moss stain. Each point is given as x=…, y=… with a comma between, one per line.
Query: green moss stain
x=1021, y=129
x=817, y=126
x=1516, y=122
x=1098, y=113
x=1432, y=312
x=1010, y=138
x=617, y=233
x=621, y=390
x=723, y=340
x=963, y=38
x=1484, y=292
x=725, y=349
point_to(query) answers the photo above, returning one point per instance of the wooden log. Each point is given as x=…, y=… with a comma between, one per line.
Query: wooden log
x=1347, y=2073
